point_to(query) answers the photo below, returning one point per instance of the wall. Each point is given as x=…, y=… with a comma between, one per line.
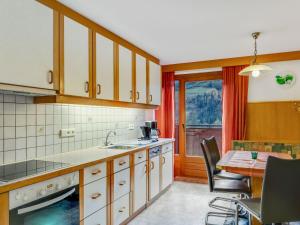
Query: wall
x=264, y=88
x=28, y=130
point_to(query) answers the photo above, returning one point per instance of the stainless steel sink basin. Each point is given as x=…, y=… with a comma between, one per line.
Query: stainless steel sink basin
x=121, y=147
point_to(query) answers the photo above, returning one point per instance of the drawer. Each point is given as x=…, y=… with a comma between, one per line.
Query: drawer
x=121, y=183
x=167, y=147
x=121, y=163
x=140, y=156
x=121, y=210
x=98, y=218
x=94, y=196
x=94, y=173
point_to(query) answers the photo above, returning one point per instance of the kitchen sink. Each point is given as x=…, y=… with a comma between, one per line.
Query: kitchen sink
x=121, y=147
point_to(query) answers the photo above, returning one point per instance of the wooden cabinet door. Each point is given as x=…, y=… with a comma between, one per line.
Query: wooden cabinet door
x=167, y=169
x=154, y=83
x=125, y=75
x=154, y=177
x=140, y=79
x=140, y=186
x=104, y=68
x=26, y=43
x=76, y=58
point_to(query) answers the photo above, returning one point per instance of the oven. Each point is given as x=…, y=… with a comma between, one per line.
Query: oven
x=53, y=202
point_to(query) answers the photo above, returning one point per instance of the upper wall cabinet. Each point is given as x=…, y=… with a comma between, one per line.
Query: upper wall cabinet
x=26, y=44
x=76, y=58
x=104, y=68
x=141, y=96
x=125, y=75
x=154, y=84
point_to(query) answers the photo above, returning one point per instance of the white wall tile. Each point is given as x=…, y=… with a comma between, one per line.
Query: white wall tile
x=20, y=99
x=20, y=120
x=20, y=143
x=9, y=108
x=10, y=120
x=40, y=141
x=9, y=144
x=40, y=109
x=40, y=130
x=31, y=153
x=1, y=108
x=9, y=98
x=9, y=157
x=31, y=131
x=31, y=142
x=31, y=109
x=40, y=120
x=21, y=155
x=41, y=151
x=9, y=132
x=20, y=132
x=49, y=109
x=20, y=109
x=31, y=120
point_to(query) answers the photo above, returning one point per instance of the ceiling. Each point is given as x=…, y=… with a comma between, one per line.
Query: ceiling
x=179, y=31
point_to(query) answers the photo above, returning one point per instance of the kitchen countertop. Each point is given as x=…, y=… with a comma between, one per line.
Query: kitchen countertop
x=77, y=160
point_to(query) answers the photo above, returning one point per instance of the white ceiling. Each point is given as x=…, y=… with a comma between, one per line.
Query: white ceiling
x=192, y=30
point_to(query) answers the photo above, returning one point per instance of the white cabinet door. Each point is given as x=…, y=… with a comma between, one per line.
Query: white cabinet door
x=120, y=210
x=76, y=58
x=26, y=43
x=104, y=68
x=125, y=74
x=154, y=83
x=167, y=169
x=140, y=186
x=141, y=79
x=154, y=176
x=98, y=218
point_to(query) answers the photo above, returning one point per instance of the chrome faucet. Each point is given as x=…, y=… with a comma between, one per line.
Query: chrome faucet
x=107, y=143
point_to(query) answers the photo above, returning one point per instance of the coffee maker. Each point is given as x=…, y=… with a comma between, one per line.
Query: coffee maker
x=150, y=131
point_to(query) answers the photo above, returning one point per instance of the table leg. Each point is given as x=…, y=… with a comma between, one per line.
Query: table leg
x=256, y=186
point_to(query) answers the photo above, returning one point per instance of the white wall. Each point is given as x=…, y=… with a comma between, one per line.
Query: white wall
x=265, y=88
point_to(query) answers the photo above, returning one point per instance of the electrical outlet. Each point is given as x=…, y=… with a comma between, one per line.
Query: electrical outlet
x=131, y=126
x=69, y=132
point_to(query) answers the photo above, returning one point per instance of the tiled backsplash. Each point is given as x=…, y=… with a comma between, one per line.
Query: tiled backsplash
x=30, y=130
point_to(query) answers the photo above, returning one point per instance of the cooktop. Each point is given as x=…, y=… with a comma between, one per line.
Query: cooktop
x=19, y=170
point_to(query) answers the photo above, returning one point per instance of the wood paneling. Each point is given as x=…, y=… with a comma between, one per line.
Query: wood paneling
x=4, y=209
x=273, y=121
x=217, y=75
x=276, y=57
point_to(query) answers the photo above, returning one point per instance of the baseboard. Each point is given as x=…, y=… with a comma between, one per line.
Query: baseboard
x=192, y=180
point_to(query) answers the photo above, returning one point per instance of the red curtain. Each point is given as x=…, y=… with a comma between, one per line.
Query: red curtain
x=165, y=113
x=235, y=96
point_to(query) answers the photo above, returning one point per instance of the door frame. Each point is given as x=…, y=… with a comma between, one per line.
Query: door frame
x=190, y=168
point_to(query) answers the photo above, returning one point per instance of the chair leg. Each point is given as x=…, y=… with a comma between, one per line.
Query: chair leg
x=216, y=214
x=237, y=215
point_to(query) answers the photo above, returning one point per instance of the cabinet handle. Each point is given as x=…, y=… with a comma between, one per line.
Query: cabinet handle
x=131, y=94
x=152, y=165
x=140, y=156
x=164, y=160
x=122, y=209
x=151, y=98
x=137, y=95
x=122, y=183
x=95, y=172
x=95, y=195
x=121, y=163
x=146, y=168
x=50, y=77
x=86, y=87
x=99, y=89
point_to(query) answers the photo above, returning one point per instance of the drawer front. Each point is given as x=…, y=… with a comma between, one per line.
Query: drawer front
x=140, y=186
x=121, y=163
x=98, y=218
x=94, y=196
x=94, y=173
x=121, y=210
x=167, y=147
x=121, y=183
x=140, y=157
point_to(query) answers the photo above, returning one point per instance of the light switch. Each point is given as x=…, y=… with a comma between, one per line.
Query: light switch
x=131, y=126
x=69, y=132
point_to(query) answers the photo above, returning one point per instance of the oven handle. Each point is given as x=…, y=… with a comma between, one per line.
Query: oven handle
x=45, y=204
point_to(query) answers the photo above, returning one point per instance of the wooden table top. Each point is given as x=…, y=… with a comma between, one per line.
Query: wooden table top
x=241, y=162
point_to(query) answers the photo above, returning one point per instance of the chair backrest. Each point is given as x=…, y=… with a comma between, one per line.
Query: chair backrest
x=207, y=164
x=281, y=191
x=213, y=153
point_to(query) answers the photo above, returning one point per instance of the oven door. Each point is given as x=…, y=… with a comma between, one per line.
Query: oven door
x=59, y=208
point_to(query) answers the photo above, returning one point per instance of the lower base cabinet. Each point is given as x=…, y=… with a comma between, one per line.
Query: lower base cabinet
x=98, y=218
x=120, y=210
x=154, y=177
x=140, y=186
x=167, y=169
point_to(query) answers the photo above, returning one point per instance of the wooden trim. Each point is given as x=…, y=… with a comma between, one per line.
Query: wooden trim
x=148, y=175
x=4, y=209
x=116, y=71
x=217, y=75
x=131, y=193
x=68, y=99
x=81, y=194
x=147, y=82
x=108, y=191
x=91, y=63
x=56, y=5
x=133, y=77
x=266, y=58
x=191, y=180
x=56, y=43
x=61, y=55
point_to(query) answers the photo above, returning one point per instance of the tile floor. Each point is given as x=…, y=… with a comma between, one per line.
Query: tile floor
x=183, y=204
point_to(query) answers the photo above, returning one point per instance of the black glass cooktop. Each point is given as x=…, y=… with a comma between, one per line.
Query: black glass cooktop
x=14, y=171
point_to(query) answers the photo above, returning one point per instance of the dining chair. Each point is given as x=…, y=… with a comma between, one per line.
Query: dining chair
x=216, y=184
x=280, y=200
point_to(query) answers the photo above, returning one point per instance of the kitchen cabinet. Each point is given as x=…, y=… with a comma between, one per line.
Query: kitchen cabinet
x=120, y=210
x=154, y=178
x=76, y=58
x=154, y=97
x=104, y=68
x=121, y=183
x=141, y=96
x=125, y=75
x=167, y=169
x=26, y=44
x=98, y=218
x=140, y=186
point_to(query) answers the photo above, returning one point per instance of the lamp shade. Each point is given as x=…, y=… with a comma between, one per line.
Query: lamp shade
x=256, y=67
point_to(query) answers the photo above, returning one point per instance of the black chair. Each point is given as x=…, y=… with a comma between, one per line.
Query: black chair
x=280, y=201
x=216, y=184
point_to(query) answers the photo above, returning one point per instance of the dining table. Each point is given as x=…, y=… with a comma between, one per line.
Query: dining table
x=241, y=162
